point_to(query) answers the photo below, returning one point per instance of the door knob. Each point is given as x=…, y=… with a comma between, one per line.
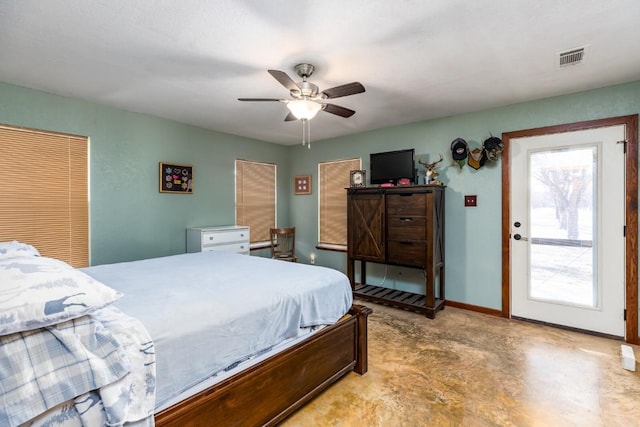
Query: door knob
x=519, y=237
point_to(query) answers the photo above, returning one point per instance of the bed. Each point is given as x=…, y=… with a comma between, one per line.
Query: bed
x=300, y=332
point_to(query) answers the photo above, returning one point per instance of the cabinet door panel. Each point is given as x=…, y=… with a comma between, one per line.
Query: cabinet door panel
x=366, y=227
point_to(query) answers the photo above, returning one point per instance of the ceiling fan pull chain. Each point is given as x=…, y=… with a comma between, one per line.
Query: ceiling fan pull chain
x=306, y=133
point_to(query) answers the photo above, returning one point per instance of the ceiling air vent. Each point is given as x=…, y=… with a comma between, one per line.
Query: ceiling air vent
x=571, y=57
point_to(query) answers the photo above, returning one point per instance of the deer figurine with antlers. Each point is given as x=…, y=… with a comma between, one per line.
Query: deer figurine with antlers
x=430, y=172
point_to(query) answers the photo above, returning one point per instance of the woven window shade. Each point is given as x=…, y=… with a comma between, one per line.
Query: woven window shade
x=44, y=195
x=256, y=198
x=334, y=178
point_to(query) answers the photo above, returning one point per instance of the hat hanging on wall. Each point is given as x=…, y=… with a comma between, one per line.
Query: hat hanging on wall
x=492, y=148
x=459, y=150
x=477, y=158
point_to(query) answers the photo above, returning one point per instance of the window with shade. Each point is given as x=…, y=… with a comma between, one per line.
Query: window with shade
x=256, y=198
x=333, y=178
x=44, y=198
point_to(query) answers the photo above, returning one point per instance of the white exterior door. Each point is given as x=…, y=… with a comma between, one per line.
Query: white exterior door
x=567, y=229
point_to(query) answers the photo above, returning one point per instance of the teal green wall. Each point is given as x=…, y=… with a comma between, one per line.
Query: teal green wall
x=473, y=235
x=130, y=218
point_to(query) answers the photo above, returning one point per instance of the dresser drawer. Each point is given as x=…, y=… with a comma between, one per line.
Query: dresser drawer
x=407, y=204
x=238, y=247
x=406, y=228
x=221, y=237
x=411, y=253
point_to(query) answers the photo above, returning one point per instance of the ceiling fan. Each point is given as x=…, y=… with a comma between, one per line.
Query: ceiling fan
x=307, y=99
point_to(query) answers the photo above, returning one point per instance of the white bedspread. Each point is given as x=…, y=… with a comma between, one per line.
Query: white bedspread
x=208, y=311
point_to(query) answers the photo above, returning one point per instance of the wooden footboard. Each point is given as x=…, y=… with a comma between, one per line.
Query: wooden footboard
x=268, y=392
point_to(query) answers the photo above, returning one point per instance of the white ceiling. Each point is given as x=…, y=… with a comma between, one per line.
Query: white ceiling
x=189, y=60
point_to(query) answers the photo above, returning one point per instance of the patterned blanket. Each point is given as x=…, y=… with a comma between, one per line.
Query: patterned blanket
x=93, y=370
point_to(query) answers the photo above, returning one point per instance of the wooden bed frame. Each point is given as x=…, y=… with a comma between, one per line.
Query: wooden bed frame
x=265, y=394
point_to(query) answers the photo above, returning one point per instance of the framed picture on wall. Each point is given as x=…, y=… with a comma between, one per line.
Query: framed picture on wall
x=302, y=184
x=176, y=178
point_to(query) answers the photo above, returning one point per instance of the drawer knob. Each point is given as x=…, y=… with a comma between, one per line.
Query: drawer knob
x=210, y=237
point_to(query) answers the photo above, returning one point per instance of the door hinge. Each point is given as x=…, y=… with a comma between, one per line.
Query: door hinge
x=624, y=316
x=624, y=231
x=624, y=145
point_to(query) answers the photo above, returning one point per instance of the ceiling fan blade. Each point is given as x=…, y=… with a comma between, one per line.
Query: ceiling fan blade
x=284, y=79
x=343, y=90
x=259, y=99
x=290, y=117
x=338, y=110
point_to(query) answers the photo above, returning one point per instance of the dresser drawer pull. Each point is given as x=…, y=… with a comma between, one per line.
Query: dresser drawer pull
x=406, y=219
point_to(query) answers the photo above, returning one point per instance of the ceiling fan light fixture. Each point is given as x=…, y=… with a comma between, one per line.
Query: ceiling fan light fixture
x=308, y=100
x=304, y=109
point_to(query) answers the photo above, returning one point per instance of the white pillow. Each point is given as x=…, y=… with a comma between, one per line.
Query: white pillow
x=37, y=291
x=16, y=249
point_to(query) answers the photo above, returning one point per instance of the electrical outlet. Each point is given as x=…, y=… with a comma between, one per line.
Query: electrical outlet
x=312, y=258
x=471, y=200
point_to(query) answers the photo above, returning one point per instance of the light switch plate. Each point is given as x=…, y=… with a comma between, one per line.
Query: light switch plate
x=471, y=200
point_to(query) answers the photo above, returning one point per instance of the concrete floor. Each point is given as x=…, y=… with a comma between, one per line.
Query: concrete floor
x=469, y=369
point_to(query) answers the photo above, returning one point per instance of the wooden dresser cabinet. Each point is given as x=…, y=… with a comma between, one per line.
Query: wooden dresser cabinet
x=402, y=226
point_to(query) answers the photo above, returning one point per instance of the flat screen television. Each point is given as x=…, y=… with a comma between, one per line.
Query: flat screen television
x=390, y=166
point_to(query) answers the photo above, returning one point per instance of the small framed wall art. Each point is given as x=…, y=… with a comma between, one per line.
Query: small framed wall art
x=176, y=178
x=358, y=178
x=302, y=184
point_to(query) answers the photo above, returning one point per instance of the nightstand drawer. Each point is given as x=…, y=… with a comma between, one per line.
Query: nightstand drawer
x=221, y=237
x=240, y=248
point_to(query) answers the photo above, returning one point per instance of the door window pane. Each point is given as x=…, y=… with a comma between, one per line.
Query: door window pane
x=562, y=204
